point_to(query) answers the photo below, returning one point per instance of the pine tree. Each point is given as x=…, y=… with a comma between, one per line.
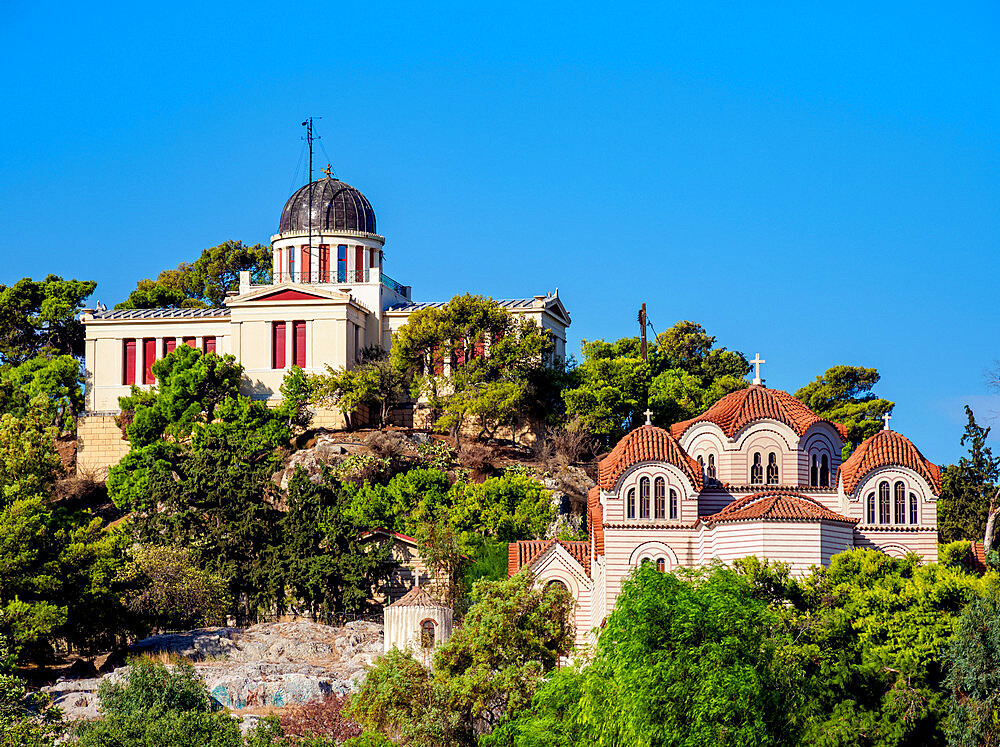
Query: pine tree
x=968, y=487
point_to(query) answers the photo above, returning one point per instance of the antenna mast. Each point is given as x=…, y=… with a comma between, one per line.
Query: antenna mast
x=308, y=124
x=642, y=324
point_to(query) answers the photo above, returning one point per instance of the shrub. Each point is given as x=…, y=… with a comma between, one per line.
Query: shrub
x=386, y=444
x=320, y=718
x=476, y=457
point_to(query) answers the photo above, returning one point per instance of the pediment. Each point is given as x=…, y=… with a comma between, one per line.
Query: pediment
x=288, y=292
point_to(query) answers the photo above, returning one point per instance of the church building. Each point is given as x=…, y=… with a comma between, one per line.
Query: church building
x=328, y=299
x=758, y=473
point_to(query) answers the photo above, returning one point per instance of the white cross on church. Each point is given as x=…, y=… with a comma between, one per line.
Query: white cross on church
x=757, y=360
x=885, y=419
x=649, y=416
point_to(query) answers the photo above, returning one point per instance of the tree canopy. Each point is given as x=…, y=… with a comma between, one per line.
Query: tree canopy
x=42, y=316
x=968, y=487
x=844, y=395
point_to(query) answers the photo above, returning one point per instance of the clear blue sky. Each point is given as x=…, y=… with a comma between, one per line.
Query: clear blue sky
x=819, y=184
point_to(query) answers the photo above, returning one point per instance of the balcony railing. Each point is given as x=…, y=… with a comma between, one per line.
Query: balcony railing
x=401, y=289
x=341, y=275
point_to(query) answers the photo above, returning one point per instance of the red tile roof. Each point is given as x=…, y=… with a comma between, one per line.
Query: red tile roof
x=526, y=552
x=418, y=597
x=646, y=444
x=756, y=402
x=977, y=557
x=774, y=505
x=595, y=519
x=888, y=449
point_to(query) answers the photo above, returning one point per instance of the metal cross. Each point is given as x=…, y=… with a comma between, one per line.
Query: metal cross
x=885, y=419
x=757, y=360
x=649, y=415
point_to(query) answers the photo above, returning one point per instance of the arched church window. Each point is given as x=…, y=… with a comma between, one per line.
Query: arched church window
x=913, y=508
x=701, y=464
x=661, y=564
x=883, y=502
x=556, y=584
x=673, y=503
x=644, y=498
x=756, y=470
x=427, y=634
x=630, y=503
x=899, y=504
x=814, y=472
x=824, y=471
x=711, y=466
x=871, y=508
x=660, y=486
x=772, y=469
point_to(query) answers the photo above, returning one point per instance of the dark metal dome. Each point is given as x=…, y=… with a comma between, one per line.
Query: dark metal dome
x=335, y=207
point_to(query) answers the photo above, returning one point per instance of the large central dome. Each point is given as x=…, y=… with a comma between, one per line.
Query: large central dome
x=335, y=207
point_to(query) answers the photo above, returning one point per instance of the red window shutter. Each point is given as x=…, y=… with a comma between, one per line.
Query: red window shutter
x=148, y=358
x=460, y=352
x=306, y=268
x=128, y=361
x=324, y=263
x=277, y=345
x=208, y=344
x=169, y=345
x=299, y=344
x=373, y=258
x=189, y=341
x=359, y=264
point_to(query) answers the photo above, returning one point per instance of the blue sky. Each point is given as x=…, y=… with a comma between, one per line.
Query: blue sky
x=819, y=184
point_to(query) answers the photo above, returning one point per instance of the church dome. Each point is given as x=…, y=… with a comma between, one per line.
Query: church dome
x=888, y=449
x=738, y=409
x=646, y=444
x=336, y=206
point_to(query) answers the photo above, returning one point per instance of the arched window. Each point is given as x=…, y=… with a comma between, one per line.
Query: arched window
x=883, y=503
x=427, y=634
x=913, y=508
x=673, y=503
x=661, y=564
x=711, y=466
x=899, y=504
x=772, y=469
x=871, y=508
x=660, y=488
x=814, y=472
x=701, y=464
x=556, y=584
x=630, y=503
x=824, y=471
x=644, y=498
x=756, y=470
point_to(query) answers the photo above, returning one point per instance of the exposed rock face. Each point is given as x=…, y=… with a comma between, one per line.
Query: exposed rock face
x=326, y=452
x=272, y=664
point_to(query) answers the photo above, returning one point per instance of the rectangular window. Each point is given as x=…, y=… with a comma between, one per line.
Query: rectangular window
x=208, y=344
x=306, y=265
x=291, y=264
x=169, y=345
x=278, y=260
x=299, y=344
x=148, y=358
x=372, y=258
x=277, y=344
x=324, y=263
x=359, y=264
x=128, y=362
x=342, y=263
x=189, y=341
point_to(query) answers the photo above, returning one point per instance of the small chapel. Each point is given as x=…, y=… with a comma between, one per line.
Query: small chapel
x=758, y=473
x=328, y=298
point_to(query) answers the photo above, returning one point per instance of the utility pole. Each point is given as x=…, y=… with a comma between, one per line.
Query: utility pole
x=642, y=326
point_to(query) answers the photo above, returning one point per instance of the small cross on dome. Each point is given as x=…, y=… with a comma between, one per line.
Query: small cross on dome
x=757, y=360
x=885, y=419
x=649, y=415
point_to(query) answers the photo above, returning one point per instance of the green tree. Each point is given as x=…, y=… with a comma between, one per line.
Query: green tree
x=844, y=395
x=206, y=281
x=402, y=502
x=374, y=383
x=26, y=719
x=42, y=316
x=509, y=508
x=58, y=379
x=498, y=364
x=968, y=487
x=491, y=667
x=29, y=464
x=974, y=676
x=323, y=560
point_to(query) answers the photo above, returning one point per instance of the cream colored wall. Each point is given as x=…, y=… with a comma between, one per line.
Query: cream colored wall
x=897, y=542
x=558, y=565
x=104, y=351
x=799, y=544
x=625, y=548
x=402, y=627
x=100, y=445
x=854, y=505
x=614, y=504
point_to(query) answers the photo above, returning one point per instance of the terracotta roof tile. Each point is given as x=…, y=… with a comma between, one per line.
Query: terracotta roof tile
x=525, y=552
x=977, y=557
x=756, y=402
x=646, y=444
x=595, y=519
x=774, y=505
x=887, y=449
x=417, y=597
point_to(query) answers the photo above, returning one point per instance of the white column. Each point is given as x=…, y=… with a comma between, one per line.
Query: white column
x=289, y=332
